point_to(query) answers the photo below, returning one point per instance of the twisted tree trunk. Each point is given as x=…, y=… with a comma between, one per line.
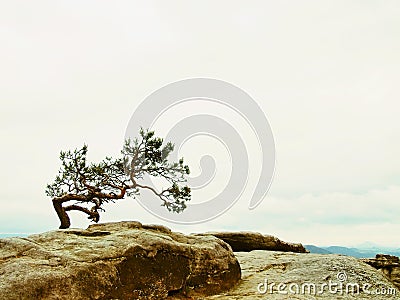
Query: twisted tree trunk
x=96, y=198
x=61, y=213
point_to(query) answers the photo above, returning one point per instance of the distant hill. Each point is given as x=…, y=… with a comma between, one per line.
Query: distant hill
x=350, y=252
x=316, y=250
x=372, y=247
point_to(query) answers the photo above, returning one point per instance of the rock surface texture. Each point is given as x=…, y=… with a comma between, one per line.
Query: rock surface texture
x=388, y=265
x=128, y=260
x=249, y=241
x=124, y=260
x=301, y=272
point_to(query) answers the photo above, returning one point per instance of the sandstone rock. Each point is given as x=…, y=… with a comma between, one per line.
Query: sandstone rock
x=388, y=265
x=302, y=271
x=124, y=260
x=248, y=241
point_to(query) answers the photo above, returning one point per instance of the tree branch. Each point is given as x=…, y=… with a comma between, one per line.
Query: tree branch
x=93, y=214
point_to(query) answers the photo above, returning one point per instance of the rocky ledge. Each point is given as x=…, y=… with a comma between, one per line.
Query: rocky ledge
x=128, y=260
x=388, y=265
x=248, y=241
x=124, y=260
x=280, y=275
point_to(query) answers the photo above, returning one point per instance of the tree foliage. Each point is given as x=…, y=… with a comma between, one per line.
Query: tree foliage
x=90, y=186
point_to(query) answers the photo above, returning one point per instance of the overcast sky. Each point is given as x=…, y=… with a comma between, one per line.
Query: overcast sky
x=325, y=73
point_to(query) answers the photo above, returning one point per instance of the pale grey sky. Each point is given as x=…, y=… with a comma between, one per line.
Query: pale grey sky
x=326, y=74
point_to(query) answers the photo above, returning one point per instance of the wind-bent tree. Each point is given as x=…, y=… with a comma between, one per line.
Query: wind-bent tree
x=89, y=186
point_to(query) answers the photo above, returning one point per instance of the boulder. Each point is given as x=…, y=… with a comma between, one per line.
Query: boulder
x=248, y=241
x=285, y=275
x=388, y=265
x=124, y=260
